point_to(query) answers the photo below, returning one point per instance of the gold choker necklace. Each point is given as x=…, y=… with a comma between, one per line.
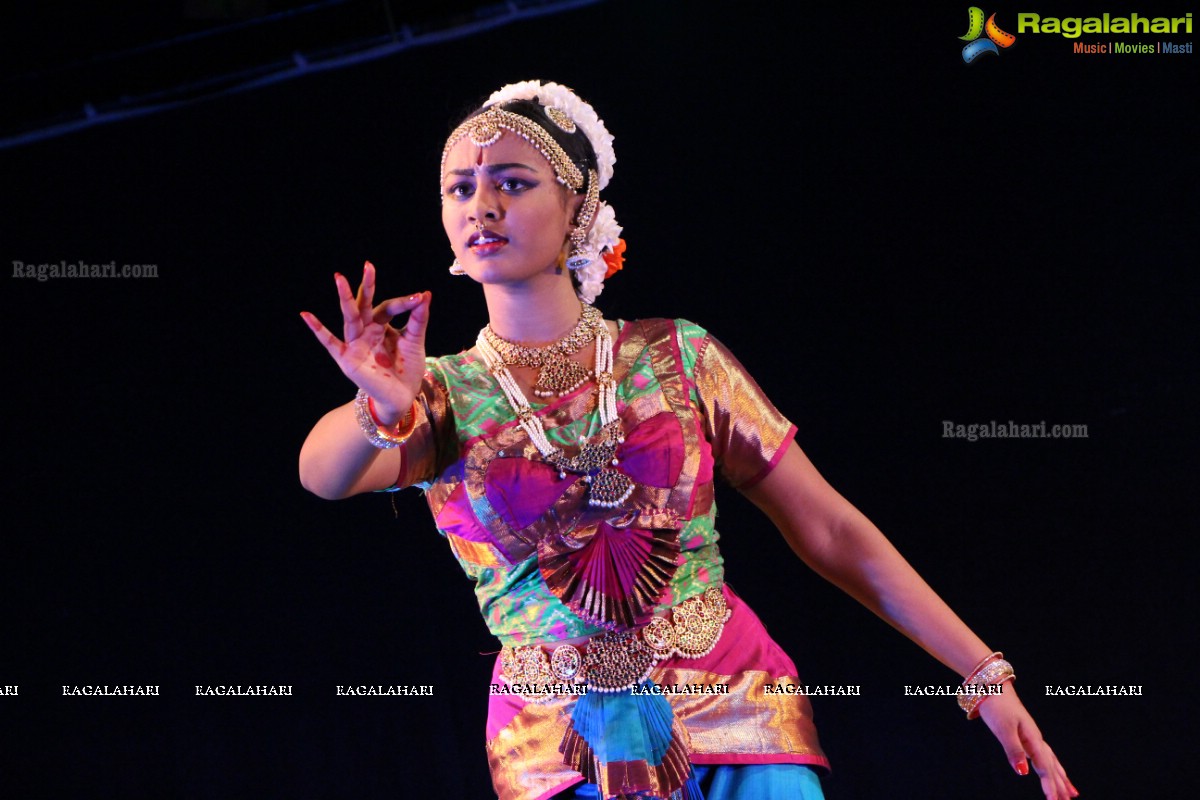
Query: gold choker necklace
x=558, y=374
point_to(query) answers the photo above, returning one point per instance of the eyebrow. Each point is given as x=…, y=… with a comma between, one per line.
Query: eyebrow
x=492, y=169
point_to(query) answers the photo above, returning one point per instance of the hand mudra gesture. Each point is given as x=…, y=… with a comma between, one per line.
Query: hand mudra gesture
x=385, y=362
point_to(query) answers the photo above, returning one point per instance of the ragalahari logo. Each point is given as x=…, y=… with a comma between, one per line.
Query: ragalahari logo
x=976, y=27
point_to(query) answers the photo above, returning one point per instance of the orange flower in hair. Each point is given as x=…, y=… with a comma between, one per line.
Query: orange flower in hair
x=615, y=260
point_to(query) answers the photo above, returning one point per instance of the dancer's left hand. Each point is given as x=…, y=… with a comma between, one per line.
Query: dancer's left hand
x=1005, y=714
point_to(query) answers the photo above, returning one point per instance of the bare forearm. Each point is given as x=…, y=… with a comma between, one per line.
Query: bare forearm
x=857, y=558
x=836, y=540
x=337, y=461
x=844, y=547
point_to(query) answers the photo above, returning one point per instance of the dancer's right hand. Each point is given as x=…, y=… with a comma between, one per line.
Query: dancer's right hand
x=387, y=363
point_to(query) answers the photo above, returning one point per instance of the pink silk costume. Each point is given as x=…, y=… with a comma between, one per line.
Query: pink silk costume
x=527, y=537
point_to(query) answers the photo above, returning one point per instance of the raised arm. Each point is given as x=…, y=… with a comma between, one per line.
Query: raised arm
x=845, y=548
x=337, y=459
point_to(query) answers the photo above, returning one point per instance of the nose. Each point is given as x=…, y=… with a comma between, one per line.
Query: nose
x=485, y=204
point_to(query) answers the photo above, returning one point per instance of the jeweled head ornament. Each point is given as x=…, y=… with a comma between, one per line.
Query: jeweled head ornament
x=485, y=129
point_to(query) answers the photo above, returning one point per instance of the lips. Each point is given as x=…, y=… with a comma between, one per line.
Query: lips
x=485, y=242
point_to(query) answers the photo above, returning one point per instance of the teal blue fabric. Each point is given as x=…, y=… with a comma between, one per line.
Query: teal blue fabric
x=622, y=726
x=737, y=782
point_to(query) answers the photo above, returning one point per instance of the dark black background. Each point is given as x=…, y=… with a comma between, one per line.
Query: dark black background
x=887, y=238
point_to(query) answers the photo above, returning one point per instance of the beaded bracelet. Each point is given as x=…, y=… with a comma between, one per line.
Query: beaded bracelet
x=376, y=433
x=982, y=661
x=990, y=671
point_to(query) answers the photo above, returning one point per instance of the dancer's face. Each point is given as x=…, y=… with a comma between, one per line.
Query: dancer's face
x=507, y=217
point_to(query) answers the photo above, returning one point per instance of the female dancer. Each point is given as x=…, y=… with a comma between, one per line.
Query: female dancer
x=569, y=461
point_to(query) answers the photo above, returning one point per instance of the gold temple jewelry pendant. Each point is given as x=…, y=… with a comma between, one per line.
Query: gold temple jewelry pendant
x=560, y=375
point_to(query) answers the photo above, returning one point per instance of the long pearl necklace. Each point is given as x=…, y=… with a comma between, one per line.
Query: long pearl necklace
x=607, y=488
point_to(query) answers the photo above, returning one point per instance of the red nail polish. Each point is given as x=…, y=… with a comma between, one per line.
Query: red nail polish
x=1022, y=768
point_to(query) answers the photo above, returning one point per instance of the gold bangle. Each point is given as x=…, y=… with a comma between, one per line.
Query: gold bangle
x=991, y=671
x=376, y=434
x=979, y=666
x=971, y=701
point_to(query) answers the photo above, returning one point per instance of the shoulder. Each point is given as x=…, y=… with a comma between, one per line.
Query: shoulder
x=656, y=328
x=686, y=340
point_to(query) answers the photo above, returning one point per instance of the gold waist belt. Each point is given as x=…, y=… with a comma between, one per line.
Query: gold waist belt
x=613, y=662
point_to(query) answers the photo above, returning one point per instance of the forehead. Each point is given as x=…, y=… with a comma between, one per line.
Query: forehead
x=509, y=149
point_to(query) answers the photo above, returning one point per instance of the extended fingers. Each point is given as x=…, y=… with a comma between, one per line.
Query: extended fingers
x=366, y=292
x=352, y=324
x=1015, y=731
x=1015, y=753
x=334, y=345
x=1055, y=783
x=1018, y=734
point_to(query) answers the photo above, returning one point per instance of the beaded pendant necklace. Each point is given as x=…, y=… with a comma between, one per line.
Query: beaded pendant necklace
x=558, y=374
x=607, y=488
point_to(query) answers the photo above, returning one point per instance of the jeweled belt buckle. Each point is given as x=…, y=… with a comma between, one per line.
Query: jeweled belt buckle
x=615, y=661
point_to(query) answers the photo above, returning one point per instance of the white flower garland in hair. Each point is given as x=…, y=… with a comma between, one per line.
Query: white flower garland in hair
x=555, y=95
x=605, y=232
x=604, y=235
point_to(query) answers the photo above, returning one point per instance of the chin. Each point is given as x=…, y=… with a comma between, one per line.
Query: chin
x=505, y=273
